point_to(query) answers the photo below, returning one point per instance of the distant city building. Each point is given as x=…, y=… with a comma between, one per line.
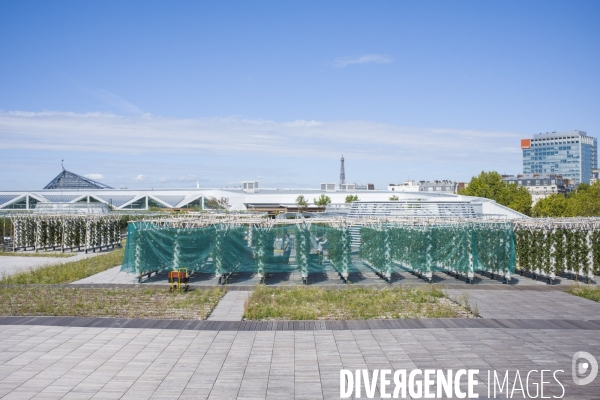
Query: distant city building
x=328, y=187
x=595, y=176
x=540, y=186
x=573, y=155
x=368, y=186
x=443, y=186
x=407, y=186
x=351, y=187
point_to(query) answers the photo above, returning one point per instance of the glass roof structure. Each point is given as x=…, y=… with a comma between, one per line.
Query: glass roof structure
x=70, y=180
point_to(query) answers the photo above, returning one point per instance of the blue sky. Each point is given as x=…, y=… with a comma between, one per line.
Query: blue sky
x=164, y=94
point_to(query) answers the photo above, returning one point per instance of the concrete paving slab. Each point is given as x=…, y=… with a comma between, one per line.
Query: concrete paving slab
x=110, y=276
x=528, y=304
x=10, y=265
x=230, y=307
x=301, y=364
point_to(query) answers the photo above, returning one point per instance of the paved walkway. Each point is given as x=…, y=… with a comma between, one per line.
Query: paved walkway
x=321, y=325
x=230, y=307
x=118, y=358
x=528, y=304
x=78, y=363
x=110, y=276
x=10, y=265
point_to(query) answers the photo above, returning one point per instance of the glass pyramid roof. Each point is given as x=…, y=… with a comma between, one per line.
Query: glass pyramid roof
x=70, y=180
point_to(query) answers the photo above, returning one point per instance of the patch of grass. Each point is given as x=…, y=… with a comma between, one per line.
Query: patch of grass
x=100, y=302
x=67, y=272
x=585, y=291
x=34, y=254
x=354, y=303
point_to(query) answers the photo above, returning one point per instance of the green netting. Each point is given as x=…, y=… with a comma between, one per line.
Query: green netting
x=494, y=248
x=223, y=249
x=376, y=249
x=462, y=248
x=338, y=247
x=226, y=248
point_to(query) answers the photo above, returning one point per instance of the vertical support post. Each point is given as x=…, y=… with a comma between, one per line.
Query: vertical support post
x=471, y=270
x=259, y=250
x=550, y=239
x=387, y=253
x=62, y=234
x=176, y=252
x=428, y=258
x=346, y=260
x=14, y=234
x=87, y=235
x=590, y=256
x=38, y=235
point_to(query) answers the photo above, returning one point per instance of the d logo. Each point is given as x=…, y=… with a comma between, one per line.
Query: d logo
x=583, y=367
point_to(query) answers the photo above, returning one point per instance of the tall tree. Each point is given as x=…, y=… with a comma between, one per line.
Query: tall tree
x=322, y=201
x=350, y=198
x=301, y=202
x=585, y=202
x=518, y=198
x=491, y=186
x=554, y=205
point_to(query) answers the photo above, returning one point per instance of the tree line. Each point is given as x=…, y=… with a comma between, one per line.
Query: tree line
x=583, y=202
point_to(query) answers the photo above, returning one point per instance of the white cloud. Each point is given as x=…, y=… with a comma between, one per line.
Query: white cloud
x=147, y=134
x=343, y=62
x=139, y=178
x=96, y=177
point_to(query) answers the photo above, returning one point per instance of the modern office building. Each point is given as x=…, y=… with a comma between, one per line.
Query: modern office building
x=540, y=186
x=573, y=155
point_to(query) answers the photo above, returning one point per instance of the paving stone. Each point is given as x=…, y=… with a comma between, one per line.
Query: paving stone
x=39, y=361
x=10, y=265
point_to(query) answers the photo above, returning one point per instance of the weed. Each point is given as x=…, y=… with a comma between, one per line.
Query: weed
x=585, y=291
x=35, y=254
x=464, y=300
x=101, y=302
x=353, y=303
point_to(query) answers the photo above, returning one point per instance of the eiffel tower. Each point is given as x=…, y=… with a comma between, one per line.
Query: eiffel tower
x=342, y=172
